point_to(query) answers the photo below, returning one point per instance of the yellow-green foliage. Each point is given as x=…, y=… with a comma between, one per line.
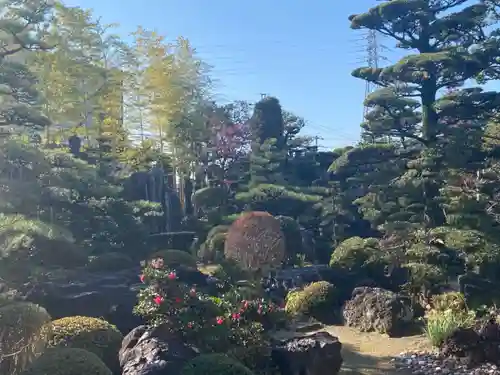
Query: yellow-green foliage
x=109, y=262
x=354, y=252
x=454, y=301
x=440, y=324
x=67, y=361
x=92, y=334
x=176, y=258
x=219, y=364
x=315, y=299
x=22, y=337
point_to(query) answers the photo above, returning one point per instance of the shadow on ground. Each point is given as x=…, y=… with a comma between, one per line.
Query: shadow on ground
x=356, y=363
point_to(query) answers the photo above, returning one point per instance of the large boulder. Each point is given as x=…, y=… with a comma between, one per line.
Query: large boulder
x=150, y=351
x=313, y=354
x=474, y=346
x=378, y=310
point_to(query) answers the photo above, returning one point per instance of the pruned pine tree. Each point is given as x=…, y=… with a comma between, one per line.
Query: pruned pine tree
x=410, y=105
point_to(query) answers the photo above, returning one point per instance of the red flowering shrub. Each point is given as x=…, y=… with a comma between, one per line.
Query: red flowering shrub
x=211, y=323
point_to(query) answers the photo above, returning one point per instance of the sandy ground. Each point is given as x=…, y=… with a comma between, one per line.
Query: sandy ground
x=370, y=353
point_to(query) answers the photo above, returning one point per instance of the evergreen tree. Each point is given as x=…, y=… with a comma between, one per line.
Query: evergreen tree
x=22, y=29
x=452, y=44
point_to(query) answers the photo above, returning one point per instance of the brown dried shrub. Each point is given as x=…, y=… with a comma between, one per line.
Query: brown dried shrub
x=255, y=240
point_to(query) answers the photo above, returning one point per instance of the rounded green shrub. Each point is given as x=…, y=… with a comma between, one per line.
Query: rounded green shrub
x=109, y=262
x=219, y=364
x=353, y=253
x=22, y=337
x=176, y=258
x=67, y=361
x=317, y=300
x=92, y=334
x=209, y=197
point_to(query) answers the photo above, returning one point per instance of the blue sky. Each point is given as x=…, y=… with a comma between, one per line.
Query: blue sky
x=300, y=52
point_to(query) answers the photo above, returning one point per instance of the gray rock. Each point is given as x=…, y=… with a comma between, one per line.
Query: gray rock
x=378, y=310
x=148, y=351
x=315, y=354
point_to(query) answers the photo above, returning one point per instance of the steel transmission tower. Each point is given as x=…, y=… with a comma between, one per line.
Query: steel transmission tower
x=373, y=49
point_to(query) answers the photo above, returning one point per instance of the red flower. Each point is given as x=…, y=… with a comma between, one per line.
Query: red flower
x=190, y=325
x=220, y=320
x=245, y=304
x=158, y=300
x=178, y=300
x=172, y=276
x=142, y=278
x=192, y=292
x=236, y=316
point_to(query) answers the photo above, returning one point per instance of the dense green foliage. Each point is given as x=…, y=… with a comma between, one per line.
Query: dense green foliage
x=147, y=161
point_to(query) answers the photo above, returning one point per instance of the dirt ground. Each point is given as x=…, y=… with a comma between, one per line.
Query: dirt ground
x=370, y=353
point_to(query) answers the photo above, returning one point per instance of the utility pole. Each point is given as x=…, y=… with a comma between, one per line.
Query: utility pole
x=316, y=139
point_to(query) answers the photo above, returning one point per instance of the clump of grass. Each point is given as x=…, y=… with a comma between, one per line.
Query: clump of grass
x=441, y=324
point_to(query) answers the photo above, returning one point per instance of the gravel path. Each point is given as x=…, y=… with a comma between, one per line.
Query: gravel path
x=425, y=364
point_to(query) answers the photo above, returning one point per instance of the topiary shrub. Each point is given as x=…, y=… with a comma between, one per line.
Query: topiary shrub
x=109, y=262
x=317, y=300
x=92, y=334
x=293, y=238
x=353, y=253
x=209, y=197
x=176, y=258
x=21, y=335
x=219, y=364
x=212, y=250
x=255, y=240
x=67, y=361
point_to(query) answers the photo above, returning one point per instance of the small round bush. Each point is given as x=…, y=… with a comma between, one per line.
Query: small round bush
x=92, y=334
x=22, y=337
x=109, y=262
x=255, y=240
x=219, y=364
x=176, y=258
x=316, y=300
x=67, y=361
